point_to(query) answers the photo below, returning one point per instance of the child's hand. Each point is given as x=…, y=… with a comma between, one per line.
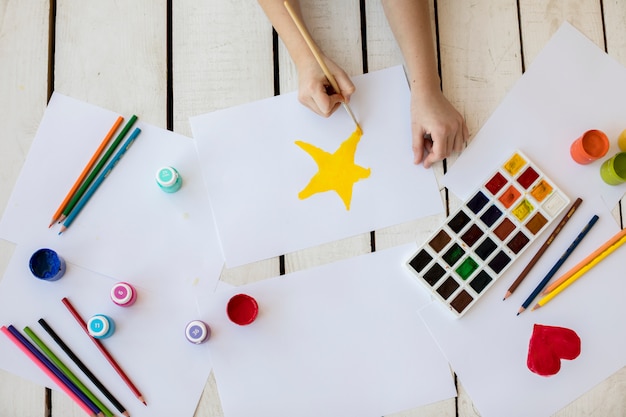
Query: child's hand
x=434, y=116
x=316, y=92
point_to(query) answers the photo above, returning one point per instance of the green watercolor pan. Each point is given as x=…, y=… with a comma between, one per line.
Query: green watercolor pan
x=480, y=240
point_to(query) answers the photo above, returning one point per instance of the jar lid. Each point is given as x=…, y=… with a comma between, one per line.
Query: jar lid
x=166, y=176
x=99, y=326
x=197, y=331
x=122, y=293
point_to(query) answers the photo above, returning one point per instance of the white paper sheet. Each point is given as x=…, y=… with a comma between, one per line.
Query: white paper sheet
x=149, y=342
x=254, y=171
x=130, y=229
x=571, y=86
x=342, y=339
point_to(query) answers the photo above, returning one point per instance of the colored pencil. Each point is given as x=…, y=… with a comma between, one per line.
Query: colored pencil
x=543, y=248
x=66, y=371
x=21, y=343
x=318, y=57
x=103, y=350
x=85, y=185
x=615, y=238
x=86, y=170
x=83, y=367
x=94, y=187
x=558, y=264
x=580, y=272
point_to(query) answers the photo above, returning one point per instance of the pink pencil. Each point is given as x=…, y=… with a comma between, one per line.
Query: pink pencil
x=47, y=371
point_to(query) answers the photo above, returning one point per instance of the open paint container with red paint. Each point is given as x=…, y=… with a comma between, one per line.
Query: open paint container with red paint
x=242, y=309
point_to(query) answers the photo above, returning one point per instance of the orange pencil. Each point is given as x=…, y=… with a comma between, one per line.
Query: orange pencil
x=585, y=261
x=86, y=170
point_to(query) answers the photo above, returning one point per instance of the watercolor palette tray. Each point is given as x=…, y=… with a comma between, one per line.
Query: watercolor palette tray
x=482, y=238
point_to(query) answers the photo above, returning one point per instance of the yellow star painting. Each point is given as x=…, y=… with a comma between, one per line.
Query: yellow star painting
x=336, y=172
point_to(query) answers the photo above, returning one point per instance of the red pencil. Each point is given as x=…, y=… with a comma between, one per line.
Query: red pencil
x=103, y=350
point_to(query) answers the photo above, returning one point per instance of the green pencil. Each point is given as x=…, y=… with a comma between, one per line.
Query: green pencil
x=67, y=371
x=97, y=168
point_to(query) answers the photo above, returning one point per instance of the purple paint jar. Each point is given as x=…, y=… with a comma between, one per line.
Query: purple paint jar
x=197, y=332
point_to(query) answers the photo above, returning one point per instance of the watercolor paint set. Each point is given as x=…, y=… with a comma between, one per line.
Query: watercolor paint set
x=484, y=236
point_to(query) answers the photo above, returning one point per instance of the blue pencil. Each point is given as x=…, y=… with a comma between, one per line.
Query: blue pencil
x=90, y=192
x=558, y=264
x=42, y=358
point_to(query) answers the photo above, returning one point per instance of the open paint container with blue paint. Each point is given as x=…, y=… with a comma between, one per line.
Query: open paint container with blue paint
x=47, y=265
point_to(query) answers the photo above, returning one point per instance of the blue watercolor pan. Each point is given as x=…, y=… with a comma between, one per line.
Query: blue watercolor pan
x=479, y=241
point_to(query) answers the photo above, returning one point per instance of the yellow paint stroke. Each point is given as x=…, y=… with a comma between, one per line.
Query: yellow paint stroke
x=336, y=172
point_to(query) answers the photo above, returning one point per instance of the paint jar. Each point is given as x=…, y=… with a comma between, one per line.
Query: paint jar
x=621, y=141
x=100, y=326
x=242, y=309
x=590, y=146
x=613, y=170
x=47, y=265
x=168, y=179
x=123, y=294
x=197, y=332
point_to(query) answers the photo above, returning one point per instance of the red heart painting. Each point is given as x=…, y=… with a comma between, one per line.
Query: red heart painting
x=548, y=345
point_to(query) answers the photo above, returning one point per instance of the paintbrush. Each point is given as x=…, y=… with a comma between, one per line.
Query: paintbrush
x=318, y=57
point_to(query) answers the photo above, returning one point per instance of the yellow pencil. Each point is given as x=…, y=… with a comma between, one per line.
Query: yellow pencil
x=585, y=261
x=318, y=57
x=580, y=273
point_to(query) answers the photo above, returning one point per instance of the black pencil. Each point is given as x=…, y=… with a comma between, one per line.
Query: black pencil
x=83, y=367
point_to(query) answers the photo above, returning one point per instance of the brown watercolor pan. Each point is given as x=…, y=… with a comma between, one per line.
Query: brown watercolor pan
x=481, y=239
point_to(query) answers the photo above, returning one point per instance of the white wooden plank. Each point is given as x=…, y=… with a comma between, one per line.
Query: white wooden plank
x=615, y=22
x=222, y=56
x=480, y=62
x=23, y=82
x=336, y=28
x=383, y=51
x=539, y=21
x=112, y=54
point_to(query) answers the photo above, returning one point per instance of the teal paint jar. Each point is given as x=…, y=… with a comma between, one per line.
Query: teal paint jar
x=100, y=326
x=168, y=179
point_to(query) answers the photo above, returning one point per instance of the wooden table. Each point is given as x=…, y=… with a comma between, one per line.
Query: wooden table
x=167, y=60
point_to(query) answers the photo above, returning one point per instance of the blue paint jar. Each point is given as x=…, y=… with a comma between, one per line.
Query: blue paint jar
x=47, y=265
x=100, y=326
x=197, y=332
x=168, y=179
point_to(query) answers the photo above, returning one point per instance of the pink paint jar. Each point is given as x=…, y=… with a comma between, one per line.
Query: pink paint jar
x=123, y=294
